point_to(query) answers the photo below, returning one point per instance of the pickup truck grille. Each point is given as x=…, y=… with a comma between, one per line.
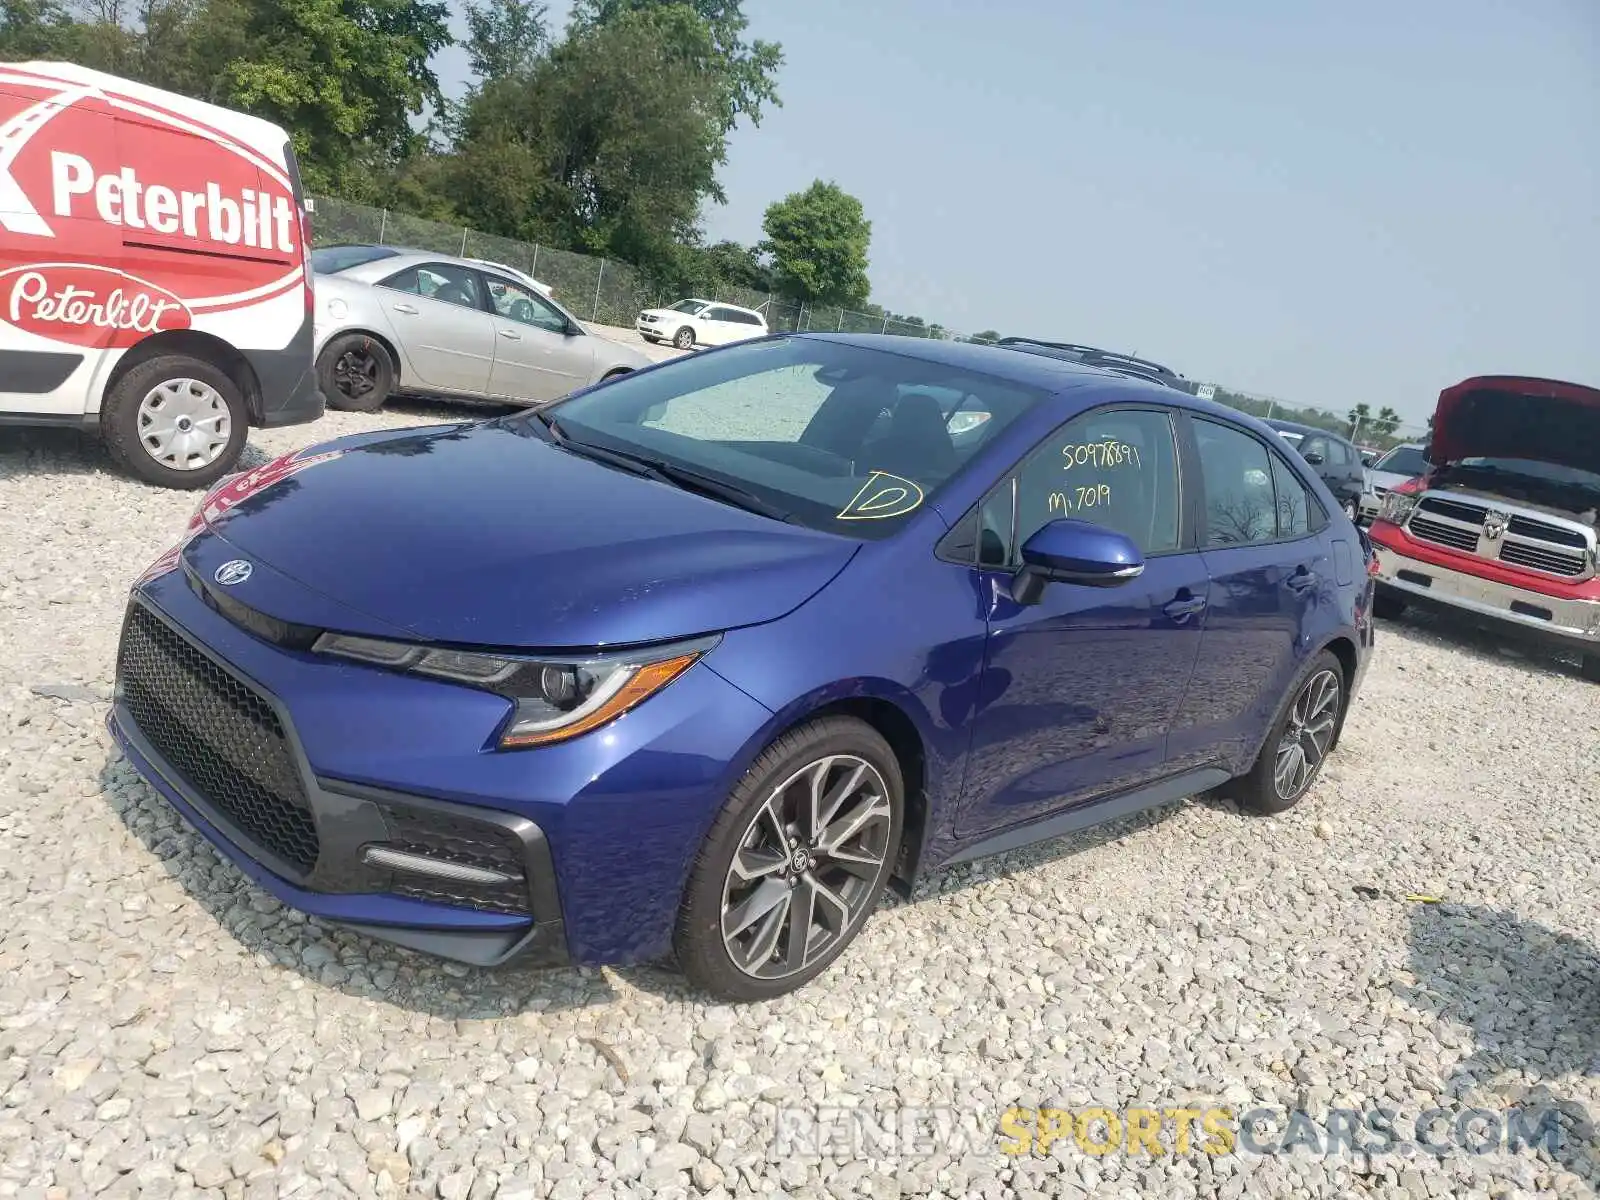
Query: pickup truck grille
x=1519, y=539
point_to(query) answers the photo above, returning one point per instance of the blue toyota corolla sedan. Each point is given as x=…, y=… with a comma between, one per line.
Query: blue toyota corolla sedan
x=697, y=661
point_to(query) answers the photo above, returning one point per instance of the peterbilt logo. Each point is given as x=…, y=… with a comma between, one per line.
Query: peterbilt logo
x=87, y=305
x=1494, y=525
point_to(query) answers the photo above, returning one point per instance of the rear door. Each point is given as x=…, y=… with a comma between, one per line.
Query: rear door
x=720, y=325
x=441, y=320
x=1269, y=566
x=535, y=357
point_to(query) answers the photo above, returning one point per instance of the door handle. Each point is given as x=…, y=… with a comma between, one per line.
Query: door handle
x=512, y=334
x=1302, y=579
x=409, y=310
x=1184, y=606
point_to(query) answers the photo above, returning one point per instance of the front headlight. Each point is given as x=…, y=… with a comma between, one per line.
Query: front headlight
x=556, y=698
x=1397, y=507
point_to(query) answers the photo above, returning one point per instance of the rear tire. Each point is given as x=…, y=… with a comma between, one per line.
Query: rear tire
x=1387, y=607
x=739, y=934
x=175, y=421
x=1300, y=740
x=356, y=373
x=684, y=338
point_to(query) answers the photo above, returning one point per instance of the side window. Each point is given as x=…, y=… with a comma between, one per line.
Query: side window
x=444, y=282
x=715, y=314
x=1116, y=468
x=1240, y=504
x=1294, y=503
x=1314, y=445
x=523, y=305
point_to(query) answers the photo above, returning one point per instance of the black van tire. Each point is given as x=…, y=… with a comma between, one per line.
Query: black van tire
x=375, y=362
x=120, y=422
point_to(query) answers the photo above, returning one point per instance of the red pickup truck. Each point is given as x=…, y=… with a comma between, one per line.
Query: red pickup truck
x=1504, y=525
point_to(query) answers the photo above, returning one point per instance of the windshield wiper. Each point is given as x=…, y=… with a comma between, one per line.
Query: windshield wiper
x=670, y=473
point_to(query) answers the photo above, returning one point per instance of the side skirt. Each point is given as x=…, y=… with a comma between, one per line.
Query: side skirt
x=1094, y=812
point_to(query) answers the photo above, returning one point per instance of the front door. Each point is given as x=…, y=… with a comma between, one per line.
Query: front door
x=442, y=327
x=536, y=358
x=1079, y=690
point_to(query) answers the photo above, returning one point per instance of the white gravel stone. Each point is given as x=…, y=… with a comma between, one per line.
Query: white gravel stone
x=168, y=1029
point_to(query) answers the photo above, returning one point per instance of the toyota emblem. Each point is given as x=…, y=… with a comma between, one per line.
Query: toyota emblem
x=235, y=570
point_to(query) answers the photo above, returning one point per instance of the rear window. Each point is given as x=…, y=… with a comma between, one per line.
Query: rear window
x=330, y=260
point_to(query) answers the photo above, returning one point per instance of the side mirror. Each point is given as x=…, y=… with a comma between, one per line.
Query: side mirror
x=1314, y=459
x=1068, y=551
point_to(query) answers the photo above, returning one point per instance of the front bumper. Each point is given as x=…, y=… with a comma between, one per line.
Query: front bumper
x=1574, y=624
x=604, y=827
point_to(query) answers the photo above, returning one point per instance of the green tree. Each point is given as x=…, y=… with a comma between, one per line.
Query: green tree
x=504, y=38
x=988, y=335
x=609, y=145
x=743, y=72
x=1385, y=423
x=343, y=76
x=1359, y=416
x=818, y=240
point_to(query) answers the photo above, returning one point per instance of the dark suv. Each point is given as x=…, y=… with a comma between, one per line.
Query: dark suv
x=1332, y=457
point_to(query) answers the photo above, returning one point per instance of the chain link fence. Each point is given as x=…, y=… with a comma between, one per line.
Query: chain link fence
x=601, y=290
x=607, y=292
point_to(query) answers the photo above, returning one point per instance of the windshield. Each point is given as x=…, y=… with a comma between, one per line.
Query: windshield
x=1402, y=460
x=837, y=437
x=1534, y=469
x=688, y=306
x=330, y=260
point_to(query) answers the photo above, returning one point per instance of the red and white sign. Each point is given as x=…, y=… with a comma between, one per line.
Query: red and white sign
x=124, y=211
x=87, y=305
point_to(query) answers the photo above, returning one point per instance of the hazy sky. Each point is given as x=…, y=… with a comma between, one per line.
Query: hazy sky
x=1325, y=202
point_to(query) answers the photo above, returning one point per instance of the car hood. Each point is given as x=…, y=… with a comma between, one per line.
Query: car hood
x=484, y=534
x=1510, y=416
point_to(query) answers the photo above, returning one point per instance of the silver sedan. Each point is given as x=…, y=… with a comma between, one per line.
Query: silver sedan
x=394, y=321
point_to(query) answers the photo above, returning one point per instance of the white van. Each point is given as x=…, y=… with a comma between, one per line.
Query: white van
x=691, y=323
x=153, y=279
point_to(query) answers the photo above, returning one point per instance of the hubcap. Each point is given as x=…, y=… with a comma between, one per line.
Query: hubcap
x=356, y=373
x=810, y=862
x=184, y=424
x=1306, y=738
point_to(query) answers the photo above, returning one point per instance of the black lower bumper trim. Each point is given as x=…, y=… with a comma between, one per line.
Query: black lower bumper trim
x=544, y=945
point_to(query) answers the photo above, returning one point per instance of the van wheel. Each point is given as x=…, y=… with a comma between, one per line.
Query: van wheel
x=684, y=339
x=175, y=421
x=355, y=373
x=794, y=863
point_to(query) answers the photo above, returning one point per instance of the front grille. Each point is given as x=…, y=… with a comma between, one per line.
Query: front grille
x=1472, y=514
x=459, y=840
x=1442, y=533
x=1557, y=534
x=220, y=736
x=1553, y=560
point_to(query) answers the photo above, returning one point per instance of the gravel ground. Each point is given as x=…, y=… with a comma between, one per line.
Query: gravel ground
x=166, y=1028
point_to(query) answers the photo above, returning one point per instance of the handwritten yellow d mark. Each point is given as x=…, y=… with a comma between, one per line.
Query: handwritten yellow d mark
x=882, y=496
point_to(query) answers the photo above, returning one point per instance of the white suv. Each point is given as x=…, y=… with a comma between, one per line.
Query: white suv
x=691, y=323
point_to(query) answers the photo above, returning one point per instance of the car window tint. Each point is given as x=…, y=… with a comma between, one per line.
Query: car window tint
x=1240, y=504
x=1116, y=468
x=1338, y=453
x=439, y=281
x=524, y=306
x=716, y=314
x=1294, y=503
x=1314, y=445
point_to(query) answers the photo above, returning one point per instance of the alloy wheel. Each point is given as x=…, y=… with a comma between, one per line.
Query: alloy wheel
x=808, y=867
x=184, y=424
x=356, y=373
x=1307, y=736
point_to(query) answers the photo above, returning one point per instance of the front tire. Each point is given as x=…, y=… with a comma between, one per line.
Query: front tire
x=794, y=863
x=356, y=373
x=175, y=421
x=684, y=338
x=1298, y=745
